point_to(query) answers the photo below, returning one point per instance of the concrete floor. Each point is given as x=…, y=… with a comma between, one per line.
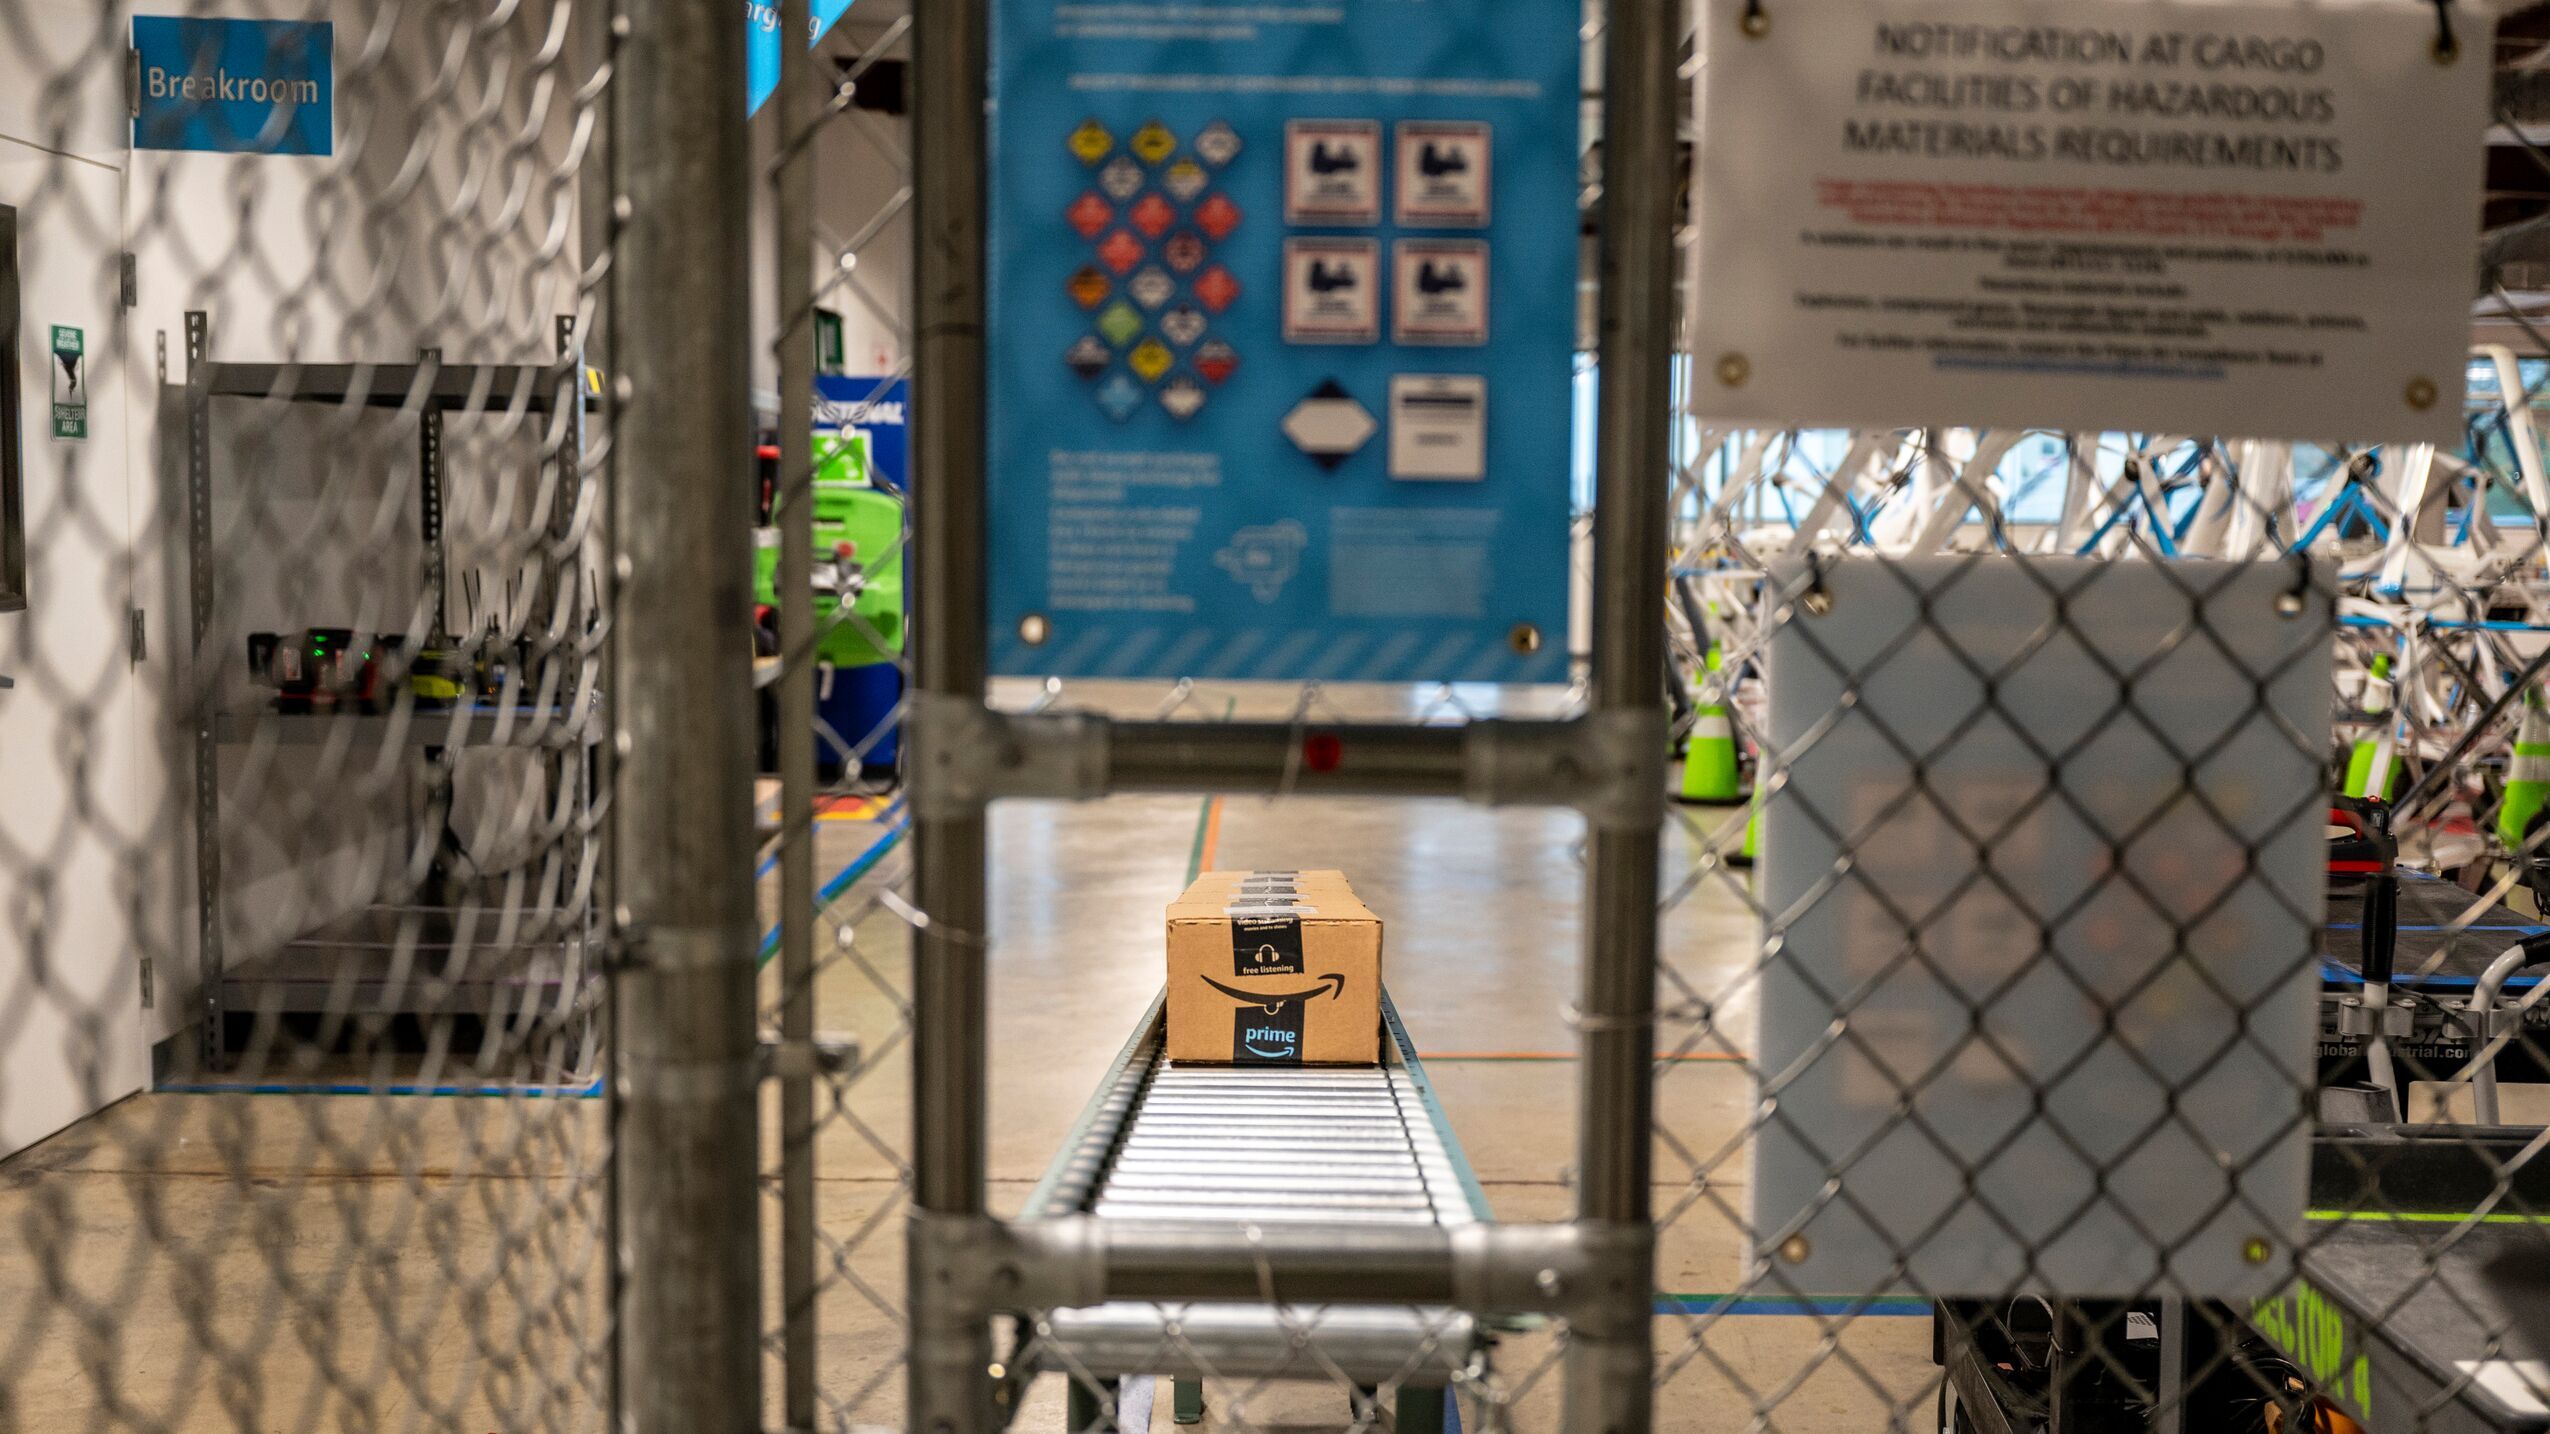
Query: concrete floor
x=343, y=1255
x=286, y=1262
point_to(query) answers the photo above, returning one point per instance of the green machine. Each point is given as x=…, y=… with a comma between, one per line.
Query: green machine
x=858, y=550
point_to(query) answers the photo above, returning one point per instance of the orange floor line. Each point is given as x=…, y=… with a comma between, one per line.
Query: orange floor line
x=1212, y=833
x=1204, y=863
x=1560, y=1056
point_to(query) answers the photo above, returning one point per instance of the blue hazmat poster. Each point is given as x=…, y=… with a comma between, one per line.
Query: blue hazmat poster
x=1283, y=318
x=234, y=86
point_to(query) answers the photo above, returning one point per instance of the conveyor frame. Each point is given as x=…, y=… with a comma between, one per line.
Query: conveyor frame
x=1155, y=1143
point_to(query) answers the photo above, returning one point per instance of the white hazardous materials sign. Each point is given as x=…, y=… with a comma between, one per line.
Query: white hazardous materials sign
x=1438, y=427
x=2040, y=1023
x=2187, y=216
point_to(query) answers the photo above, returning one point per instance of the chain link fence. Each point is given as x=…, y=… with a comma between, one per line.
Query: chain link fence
x=301, y=1015
x=331, y=804
x=2414, y=572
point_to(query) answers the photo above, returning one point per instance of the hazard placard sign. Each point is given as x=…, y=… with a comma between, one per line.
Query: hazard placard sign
x=1332, y=172
x=1438, y=427
x=1445, y=174
x=1440, y=292
x=1332, y=291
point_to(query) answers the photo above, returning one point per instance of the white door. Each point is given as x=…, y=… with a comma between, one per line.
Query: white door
x=75, y=856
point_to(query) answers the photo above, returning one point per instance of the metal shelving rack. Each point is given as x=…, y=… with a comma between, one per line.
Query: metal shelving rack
x=379, y=960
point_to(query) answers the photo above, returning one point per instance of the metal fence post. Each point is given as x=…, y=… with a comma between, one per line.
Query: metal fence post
x=1610, y=1361
x=951, y=1346
x=686, y=1053
x=797, y=111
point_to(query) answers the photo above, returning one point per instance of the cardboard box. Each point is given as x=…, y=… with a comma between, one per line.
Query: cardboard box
x=1274, y=971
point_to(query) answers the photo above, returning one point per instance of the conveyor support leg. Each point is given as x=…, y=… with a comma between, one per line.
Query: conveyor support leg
x=1189, y=1401
x=1093, y=1406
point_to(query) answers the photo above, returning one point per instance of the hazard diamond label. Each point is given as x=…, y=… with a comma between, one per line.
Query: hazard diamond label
x=1090, y=214
x=1217, y=361
x=1184, y=398
x=1154, y=215
x=1329, y=426
x=1119, y=397
x=1092, y=142
x=1089, y=287
x=1219, y=144
x=1121, y=252
x=1152, y=287
x=1121, y=178
x=1185, y=252
x=1089, y=358
x=1121, y=324
x=1217, y=217
x=1150, y=359
x=1183, y=325
x=1218, y=289
x=1185, y=180
x=1154, y=142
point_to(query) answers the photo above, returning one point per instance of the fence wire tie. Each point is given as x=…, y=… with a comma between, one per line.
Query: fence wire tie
x=922, y=921
x=1584, y=1024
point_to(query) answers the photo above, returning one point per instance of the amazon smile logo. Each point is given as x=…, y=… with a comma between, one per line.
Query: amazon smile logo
x=1333, y=986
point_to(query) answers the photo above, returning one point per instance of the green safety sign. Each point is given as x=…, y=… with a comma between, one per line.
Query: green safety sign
x=832, y=347
x=70, y=383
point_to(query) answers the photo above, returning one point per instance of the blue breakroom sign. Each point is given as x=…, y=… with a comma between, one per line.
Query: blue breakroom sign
x=235, y=86
x=761, y=44
x=1283, y=328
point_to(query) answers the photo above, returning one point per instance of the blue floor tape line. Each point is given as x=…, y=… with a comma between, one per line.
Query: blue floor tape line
x=2510, y=928
x=2339, y=975
x=458, y=1092
x=1792, y=1308
x=860, y=866
x=770, y=863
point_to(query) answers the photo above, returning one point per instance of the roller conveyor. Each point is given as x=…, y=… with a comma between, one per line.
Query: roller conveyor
x=1263, y=1145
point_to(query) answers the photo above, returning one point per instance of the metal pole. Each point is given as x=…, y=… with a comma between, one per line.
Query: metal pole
x=690, y=1314
x=2171, y=1417
x=204, y=696
x=1610, y=1361
x=797, y=110
x=595, y=51
x=951, y=1348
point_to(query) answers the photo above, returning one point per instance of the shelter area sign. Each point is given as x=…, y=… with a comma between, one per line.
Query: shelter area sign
x=70, y=383
x=2164, y=215
x=1283, y=326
